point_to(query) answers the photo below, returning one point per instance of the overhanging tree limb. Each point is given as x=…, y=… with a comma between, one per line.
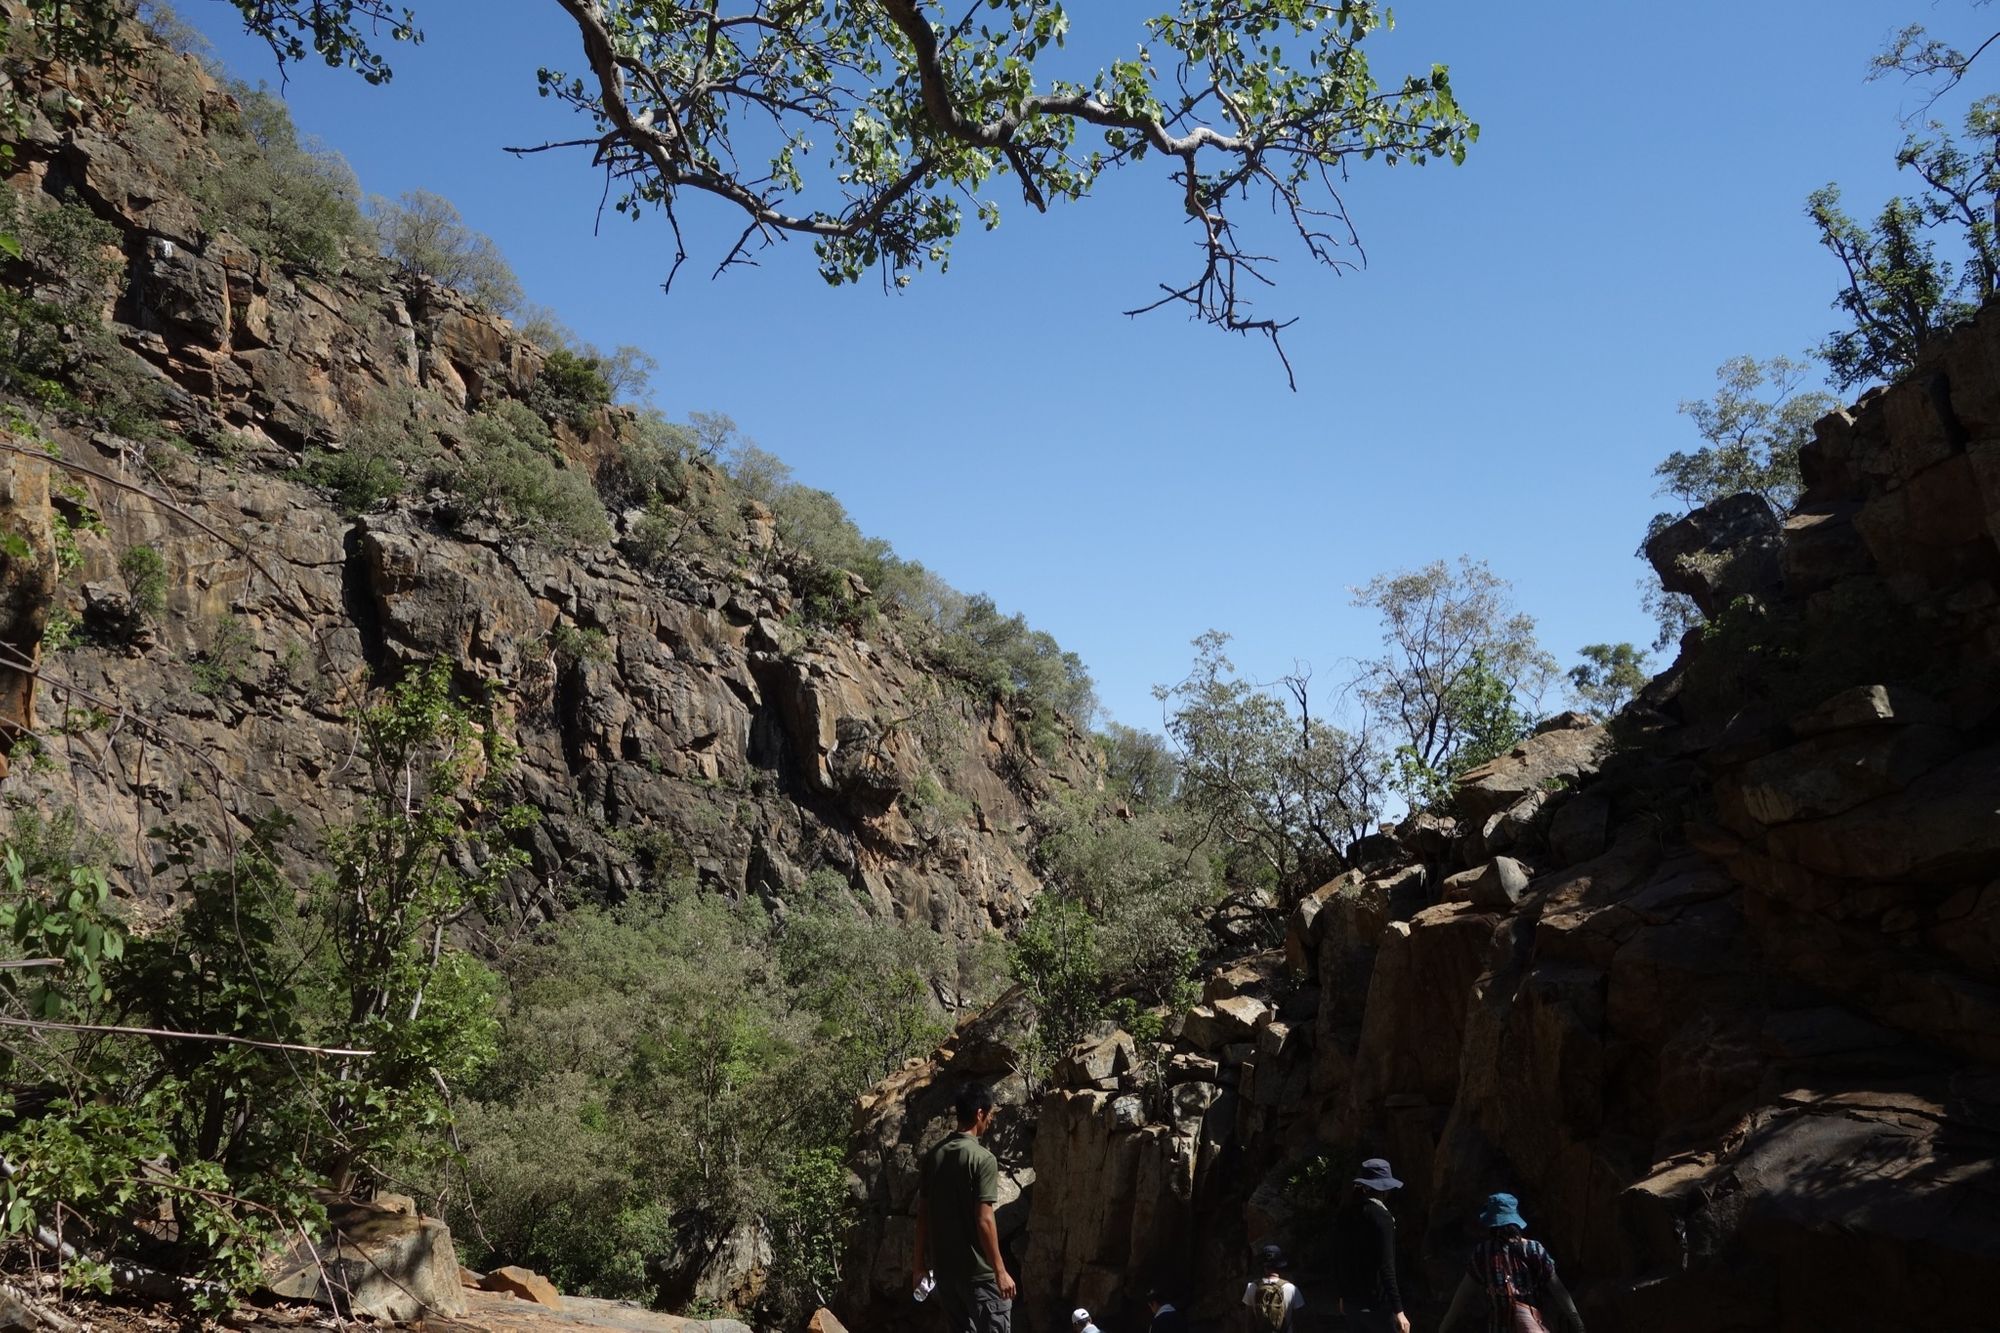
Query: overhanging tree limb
x=113, y=1029
x=908, y=121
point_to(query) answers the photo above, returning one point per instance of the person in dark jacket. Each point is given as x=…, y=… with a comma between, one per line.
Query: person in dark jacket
x=1512, y=1278
x=1364, y=1256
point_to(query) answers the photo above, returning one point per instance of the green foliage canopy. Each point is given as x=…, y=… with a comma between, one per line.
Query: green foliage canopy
x=879, y=124
x=424, y=234
x=1608, y=676
x=1460, y=672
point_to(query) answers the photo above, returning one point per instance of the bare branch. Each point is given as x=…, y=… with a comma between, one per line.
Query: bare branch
x=48, y=1025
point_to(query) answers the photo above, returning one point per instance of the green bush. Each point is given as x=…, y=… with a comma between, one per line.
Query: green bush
x=227, y=659
x=1055, y=960
x=145, y=579
x=1147, y=885
x=678, y=1067
x=374, y=463
x=1001, y=657
x=509, y=461
x=424, y=235
x=51, y=306
x=285, y=198
x=572, y=646
x=569, y=386
x=202, y=1152
x=651, y=464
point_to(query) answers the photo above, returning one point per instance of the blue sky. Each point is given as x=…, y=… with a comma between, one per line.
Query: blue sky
x=1498, y=382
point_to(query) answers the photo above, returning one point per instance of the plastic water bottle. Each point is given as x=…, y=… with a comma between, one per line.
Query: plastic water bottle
x=924, y=1287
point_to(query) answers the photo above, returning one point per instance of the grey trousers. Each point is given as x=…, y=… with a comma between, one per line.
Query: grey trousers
x=978, y=1309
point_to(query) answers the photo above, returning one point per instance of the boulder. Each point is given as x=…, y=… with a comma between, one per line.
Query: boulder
x=374, y=1264
x=1580, y=829
x=1244, y=1014
x=1496, y=886
x=1838, y=770
x=523, y=1284
x=1720, y=552
x=1205, y=1030
x=1569, y=749
x=1097, y=1063
x=1871, y=706
x=824, y=1321
x=1427, y=836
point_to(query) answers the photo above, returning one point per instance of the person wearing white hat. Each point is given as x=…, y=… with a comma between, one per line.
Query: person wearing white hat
x=1079, y=1319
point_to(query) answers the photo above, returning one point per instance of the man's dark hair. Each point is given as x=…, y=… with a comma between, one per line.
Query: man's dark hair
x=970, y=1101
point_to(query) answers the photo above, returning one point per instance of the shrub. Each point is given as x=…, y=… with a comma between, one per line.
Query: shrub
x=508, y=461
x=651, y=464
x=571, y=646
x=1055, y=959
x=1147, y=888
x=373, y=464
x=679, y=1067
x=145, y=579
x=627, y=371
x=226, y=660
x=423, y=233
x=51, y=306
x=284, y=197
x=569, y=386
x=214, y=1144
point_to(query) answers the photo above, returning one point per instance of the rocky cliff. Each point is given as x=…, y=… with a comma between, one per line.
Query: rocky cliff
x=673, y=717
x=1713, y=989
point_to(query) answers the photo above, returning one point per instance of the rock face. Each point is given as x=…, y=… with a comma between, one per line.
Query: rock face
x=27, y=582
x=1715, y=991
x=704, y=732
x=668, y=719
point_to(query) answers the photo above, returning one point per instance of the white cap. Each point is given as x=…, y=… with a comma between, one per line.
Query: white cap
x=1079, y=1316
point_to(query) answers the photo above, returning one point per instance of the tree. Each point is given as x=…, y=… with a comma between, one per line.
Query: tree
x=1282, y=790
x=1899, y=293
x=627, y=370
x=1147, y=884
x=871, y=127
x=1752, y=431
x=1608, y=676
x=1459, y=669
x=1138, y=765
x=281, y=194
x=1750, y=440
x=425, y=235
x=337, y=31
x=1054, y=957
x=1915, y=54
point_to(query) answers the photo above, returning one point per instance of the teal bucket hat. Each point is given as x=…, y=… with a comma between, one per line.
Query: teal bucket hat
x=1502, y=1210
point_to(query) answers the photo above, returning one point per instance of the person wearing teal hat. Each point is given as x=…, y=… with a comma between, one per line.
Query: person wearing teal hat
x=1514, y=1278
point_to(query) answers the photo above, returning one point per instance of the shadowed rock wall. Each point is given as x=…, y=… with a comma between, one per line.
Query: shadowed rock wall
x=1715, y=990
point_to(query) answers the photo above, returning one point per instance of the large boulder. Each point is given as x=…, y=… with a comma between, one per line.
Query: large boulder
x=374, y=1263
x=1564, y=749
x=1720, y=552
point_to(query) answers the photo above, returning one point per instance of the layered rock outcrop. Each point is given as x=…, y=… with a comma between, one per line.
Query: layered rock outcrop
x=1712, y=989
x=665, y=723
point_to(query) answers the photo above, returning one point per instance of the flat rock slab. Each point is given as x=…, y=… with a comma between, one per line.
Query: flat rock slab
x=492, y=1312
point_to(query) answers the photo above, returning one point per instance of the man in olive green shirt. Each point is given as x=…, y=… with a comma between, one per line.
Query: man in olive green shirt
x=957, y=1239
